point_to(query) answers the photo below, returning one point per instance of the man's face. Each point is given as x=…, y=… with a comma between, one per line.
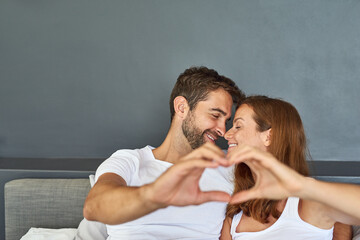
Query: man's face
x=206, y=122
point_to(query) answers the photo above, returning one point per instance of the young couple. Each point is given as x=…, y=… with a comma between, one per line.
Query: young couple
x=176, y=192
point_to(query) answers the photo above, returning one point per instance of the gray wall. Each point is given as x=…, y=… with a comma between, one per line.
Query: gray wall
x=84, y=78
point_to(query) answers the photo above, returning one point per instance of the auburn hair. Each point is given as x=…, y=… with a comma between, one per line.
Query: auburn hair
x=287, y=144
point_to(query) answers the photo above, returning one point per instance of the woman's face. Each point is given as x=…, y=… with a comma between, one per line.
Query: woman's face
x=244, y=130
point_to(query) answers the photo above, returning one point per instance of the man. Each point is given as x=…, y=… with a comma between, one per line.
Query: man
x=139, y=194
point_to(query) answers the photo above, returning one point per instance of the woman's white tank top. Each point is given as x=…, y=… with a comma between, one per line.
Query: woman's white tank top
x=289, y=226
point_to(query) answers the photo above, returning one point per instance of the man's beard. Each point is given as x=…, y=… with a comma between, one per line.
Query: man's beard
x=193, y=134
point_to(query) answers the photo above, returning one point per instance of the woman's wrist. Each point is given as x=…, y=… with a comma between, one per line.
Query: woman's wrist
x=306, y=190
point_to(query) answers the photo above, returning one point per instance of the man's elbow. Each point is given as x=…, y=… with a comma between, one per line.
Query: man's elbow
x=89, y=210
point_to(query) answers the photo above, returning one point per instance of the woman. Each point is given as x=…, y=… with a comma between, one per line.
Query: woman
x=268, y=143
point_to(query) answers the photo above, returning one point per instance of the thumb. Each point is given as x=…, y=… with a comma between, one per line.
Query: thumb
x=217, y=196
x=244, y=196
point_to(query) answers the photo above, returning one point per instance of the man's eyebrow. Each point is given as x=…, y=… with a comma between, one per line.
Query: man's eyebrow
x=218, y=110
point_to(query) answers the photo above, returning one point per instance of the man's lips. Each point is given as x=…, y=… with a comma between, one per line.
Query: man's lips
x=232, y=145
x=211, y=137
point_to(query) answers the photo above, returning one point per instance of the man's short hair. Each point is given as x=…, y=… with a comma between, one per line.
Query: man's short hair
x=196, y=83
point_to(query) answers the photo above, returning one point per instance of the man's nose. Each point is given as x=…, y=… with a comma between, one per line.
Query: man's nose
x=219, y=132
x=221, y=129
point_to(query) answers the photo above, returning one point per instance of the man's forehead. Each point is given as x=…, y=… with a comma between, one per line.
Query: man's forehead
x=217, y=101
x=220, y=102
x=213, y=106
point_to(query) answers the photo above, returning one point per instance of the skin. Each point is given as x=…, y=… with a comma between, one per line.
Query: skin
x=111, y=201
x=244, y=131
x=319, y=201
x=206, y=122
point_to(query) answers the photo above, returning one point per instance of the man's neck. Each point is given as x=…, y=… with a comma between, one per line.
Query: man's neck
x=173, y=148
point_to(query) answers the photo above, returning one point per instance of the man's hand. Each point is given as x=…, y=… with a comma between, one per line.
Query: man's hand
x=112, y=202
x=179, y=185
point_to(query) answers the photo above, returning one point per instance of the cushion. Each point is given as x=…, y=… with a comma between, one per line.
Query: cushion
x=50, y=234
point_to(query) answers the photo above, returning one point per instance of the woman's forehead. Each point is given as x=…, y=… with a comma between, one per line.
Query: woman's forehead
x=243, y=111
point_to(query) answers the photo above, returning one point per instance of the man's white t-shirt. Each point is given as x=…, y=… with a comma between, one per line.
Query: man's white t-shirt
x=138, y=167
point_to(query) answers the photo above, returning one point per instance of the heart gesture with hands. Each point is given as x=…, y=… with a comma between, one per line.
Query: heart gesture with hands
x=273, y=179
x=179, y=185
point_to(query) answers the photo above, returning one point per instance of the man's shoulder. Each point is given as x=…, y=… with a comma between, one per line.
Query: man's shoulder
x=126, y=157
x=124, y=162
x=137, y=153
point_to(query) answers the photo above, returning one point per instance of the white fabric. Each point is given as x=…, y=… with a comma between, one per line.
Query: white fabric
x=288, y=226
x=138, y=167
x=92, y=179
x=91, y=230
x=50, y=234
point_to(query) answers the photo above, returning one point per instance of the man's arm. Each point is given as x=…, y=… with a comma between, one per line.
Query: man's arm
x=112, y=202
x=342, y=231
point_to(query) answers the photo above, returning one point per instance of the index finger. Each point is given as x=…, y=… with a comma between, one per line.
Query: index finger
x=207, y=151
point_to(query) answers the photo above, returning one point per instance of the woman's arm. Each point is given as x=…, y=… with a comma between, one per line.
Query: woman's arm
x=275, y=180
x=342, y=201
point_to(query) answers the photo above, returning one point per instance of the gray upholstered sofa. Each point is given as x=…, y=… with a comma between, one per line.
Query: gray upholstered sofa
x=55, y=203
x=46, y=203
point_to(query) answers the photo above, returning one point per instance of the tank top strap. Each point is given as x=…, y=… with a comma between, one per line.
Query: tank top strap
x=235, y=222
x=291, y=207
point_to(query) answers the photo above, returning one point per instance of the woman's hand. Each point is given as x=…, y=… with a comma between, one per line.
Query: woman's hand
x=273, y=179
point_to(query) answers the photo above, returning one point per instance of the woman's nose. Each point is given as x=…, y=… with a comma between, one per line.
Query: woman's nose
x=228, y=134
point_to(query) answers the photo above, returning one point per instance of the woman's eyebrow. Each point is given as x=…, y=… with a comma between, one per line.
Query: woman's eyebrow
x=237, y=119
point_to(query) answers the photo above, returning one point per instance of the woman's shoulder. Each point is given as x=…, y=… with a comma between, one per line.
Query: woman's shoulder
x=315, y=213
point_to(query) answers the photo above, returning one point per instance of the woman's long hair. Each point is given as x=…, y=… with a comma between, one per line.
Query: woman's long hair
x=287, y=144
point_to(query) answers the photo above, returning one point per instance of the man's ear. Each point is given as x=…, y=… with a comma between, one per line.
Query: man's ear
x=181, y=106
x=266, y=137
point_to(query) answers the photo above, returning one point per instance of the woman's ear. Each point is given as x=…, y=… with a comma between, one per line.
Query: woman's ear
x=181, y=106
x=266, y=137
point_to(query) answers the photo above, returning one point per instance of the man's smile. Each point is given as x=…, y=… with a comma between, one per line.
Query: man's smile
x=211, y=137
